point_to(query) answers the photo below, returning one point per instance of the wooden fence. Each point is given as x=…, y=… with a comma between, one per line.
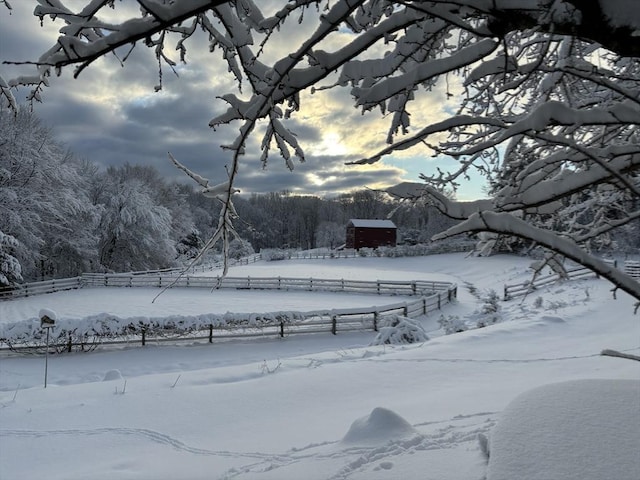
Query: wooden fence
x=39, y=288
x=632, y=268
x=433, y=296
x=521, y=289
x=62, y=284
x=380, y=287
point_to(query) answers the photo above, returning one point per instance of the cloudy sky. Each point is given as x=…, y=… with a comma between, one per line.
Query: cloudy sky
x=111, y=115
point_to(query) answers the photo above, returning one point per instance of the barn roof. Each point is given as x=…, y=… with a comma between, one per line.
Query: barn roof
x=367, y=223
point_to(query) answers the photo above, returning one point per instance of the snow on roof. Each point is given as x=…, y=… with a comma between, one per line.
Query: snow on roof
x=367, y=223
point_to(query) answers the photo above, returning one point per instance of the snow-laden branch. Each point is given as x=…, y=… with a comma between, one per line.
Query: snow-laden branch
x=551, y=114
x=5, y=92
x=225, y=230
x=535, y=191
x=505, y=223
x=451, y=208
x=73, y=49
x=370, y=97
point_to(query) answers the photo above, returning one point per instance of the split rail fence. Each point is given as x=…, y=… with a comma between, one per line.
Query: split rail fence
x=432, y=296
x=631, y=268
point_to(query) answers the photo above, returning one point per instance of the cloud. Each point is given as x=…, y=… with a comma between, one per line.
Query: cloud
x=111, y=115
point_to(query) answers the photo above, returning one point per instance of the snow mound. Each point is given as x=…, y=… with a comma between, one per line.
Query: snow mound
x=112, y=375
x=380, y=426
x=576, y=430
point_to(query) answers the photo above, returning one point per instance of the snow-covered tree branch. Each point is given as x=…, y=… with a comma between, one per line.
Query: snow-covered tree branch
x=549, y=111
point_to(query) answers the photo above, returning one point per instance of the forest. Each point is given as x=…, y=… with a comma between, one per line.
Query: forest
x=63, y=215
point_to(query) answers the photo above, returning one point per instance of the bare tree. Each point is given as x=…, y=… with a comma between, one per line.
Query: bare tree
x=550, y=112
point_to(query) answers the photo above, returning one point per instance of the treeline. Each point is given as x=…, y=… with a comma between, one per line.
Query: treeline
x=61, y=216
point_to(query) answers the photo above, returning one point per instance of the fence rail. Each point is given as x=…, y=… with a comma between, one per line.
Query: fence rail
x=521, y=289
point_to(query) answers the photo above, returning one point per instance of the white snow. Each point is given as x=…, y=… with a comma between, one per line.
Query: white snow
x=323, y=406
x=46, y=312
x=546, y=432
x=380, y=426
x=368, y=223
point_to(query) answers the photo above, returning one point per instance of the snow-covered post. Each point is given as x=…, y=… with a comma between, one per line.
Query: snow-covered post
x=47, y=321
x=334, y=324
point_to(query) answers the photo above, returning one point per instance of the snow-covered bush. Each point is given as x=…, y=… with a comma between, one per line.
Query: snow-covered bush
x=240, y=248
x=398, y=330
x=452, y=324
x=273, y=254
x=490, y=311
x=538, y=302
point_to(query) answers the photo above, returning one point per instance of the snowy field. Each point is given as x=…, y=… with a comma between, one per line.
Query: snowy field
x=318, y=406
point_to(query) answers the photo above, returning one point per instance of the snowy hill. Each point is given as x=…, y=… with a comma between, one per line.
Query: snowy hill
x=312, y=407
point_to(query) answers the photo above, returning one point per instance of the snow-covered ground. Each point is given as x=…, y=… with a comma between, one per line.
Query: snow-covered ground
x=309, y=407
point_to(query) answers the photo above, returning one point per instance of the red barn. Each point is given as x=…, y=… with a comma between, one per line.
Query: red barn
x=370, y=233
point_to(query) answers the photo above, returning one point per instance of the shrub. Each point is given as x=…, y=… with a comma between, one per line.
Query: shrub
x=490, y=310
x=274, y=254
x=398, y=330
x=452, y=324
x=240, y=248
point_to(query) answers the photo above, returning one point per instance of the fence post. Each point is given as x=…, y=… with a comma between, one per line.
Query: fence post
x=281, y=328
x=506, y=293
x=375, y=321
x=378, y=286
x=334, y=324
x=424, y=305
x=413, y=287
x=439, y=304
x=405, y=310
x=144, y=336
x=211, y=333
x=69, y=344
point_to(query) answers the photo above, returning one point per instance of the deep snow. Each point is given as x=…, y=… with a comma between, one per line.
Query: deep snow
x=315, y=407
